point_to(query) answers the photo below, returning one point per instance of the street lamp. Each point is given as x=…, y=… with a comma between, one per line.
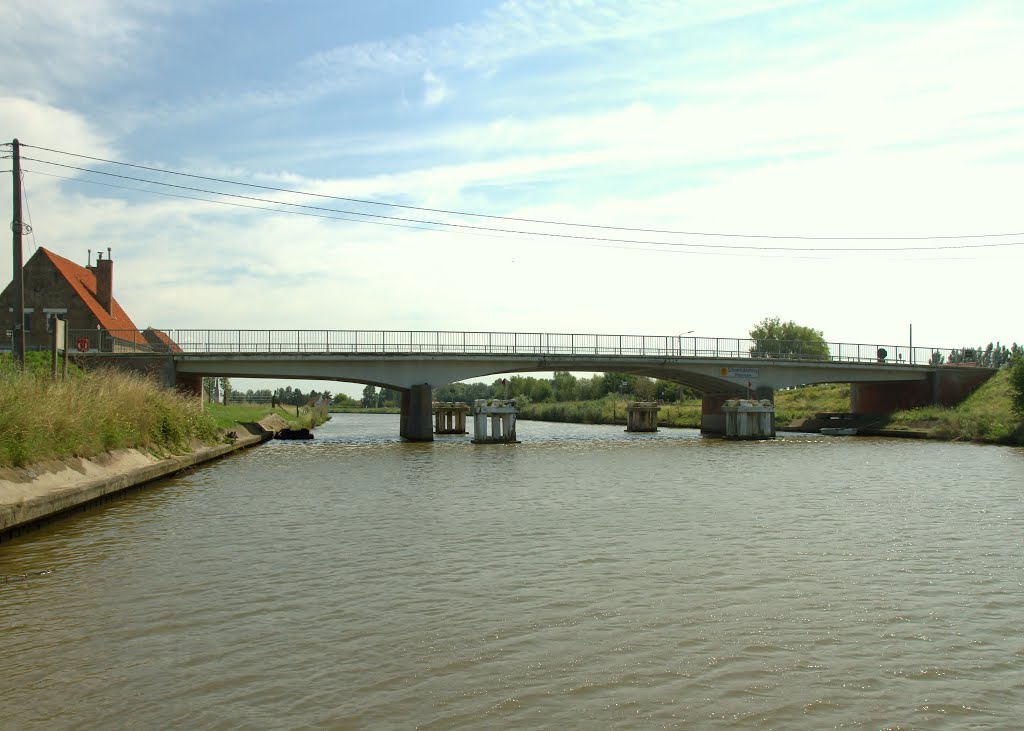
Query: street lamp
x=680, y=337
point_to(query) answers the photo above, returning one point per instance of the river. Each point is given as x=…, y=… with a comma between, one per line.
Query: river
x=585, y=578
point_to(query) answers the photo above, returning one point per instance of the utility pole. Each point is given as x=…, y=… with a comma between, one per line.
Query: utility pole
x=19, y=281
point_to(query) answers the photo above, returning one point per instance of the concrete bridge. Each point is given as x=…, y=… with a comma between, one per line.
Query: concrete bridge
x=883, y=377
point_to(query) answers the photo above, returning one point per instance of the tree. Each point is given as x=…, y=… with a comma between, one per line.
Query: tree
x=619, y=383
x=369, y=397
x=343, y=399
x=645, y=388
x=776, y=339
x=564, y=386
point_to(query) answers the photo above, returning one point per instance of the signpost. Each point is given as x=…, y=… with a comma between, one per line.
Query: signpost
x=60, y=345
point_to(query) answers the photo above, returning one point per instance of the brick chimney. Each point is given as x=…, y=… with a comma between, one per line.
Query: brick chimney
x=105, y=282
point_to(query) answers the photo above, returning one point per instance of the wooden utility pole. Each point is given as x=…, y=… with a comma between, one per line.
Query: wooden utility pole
x=17, y=274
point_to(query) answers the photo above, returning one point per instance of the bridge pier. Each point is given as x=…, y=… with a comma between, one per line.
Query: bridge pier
x=501, y=414
x=712, y=418
x=416, y=424
x=642, y=416
x=450, y=418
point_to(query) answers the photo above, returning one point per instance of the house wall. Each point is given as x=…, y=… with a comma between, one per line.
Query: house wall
x=45, y=287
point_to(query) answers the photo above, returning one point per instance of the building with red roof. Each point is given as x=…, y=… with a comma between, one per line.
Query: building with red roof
x=83, y=296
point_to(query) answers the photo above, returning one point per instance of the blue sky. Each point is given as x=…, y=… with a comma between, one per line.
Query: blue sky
x=784, y=118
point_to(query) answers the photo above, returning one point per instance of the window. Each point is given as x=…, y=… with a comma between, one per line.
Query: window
x=52, y=315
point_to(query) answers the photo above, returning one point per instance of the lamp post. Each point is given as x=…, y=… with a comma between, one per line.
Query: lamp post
x=680, y=338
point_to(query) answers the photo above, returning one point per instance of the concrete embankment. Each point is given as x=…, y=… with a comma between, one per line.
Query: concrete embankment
x=30, y=496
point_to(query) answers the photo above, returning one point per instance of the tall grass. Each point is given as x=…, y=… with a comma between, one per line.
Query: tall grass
x=986, y=415
x=92, y=413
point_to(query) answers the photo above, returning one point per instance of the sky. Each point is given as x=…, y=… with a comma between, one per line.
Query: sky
x=783, y=123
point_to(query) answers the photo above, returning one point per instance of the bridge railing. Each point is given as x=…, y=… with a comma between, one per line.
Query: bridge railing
x=445, y=342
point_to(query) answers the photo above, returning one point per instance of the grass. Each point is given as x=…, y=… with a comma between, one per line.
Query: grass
x=806, y=401
x=230, y=416
x=361, y=410
x=985, y=416
x=92, y=413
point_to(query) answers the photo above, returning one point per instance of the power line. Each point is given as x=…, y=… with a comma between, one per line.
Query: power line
x=31, y=228
x=544, y=234
x=526, y=220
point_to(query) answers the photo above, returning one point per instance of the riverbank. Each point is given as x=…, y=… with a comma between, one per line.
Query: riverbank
x=986, y=416
x=64, y=445
x=30, y=496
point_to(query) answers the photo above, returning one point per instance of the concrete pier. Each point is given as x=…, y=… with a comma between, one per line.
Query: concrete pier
x=712, y=420
x=642, y=416
x=749, y=419
x=416, y=424
x=450, y=418
x=501, y=415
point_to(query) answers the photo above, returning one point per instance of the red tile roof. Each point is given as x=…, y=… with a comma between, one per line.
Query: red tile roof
x=160, y=340
x=83, y=282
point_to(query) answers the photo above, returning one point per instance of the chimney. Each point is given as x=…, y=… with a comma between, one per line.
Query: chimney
x=105, y=282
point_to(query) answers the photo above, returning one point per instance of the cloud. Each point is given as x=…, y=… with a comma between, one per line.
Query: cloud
x=55, y=46
x=434, y=90
x=46, y=125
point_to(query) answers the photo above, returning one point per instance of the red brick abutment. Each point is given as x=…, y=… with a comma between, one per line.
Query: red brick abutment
x=946, y=386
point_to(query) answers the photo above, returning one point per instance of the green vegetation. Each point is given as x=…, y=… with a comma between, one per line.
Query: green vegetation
x=794, y=403
x=993, y=355
x=357, y=409
x=804, y=402
x=1017, y=385
x=987, y=415
x=91, y=413
x=776, y=339
x=230, y=416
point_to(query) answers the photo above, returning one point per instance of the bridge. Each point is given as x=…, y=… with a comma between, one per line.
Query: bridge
x=883, y=377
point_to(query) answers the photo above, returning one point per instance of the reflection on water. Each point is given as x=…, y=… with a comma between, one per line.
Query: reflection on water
x=585, y=578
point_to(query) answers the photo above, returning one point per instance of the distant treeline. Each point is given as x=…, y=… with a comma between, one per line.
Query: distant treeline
x=564, y=386
x=993, y=355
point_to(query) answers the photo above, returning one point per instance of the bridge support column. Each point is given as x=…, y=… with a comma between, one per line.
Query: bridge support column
x=642, y=416
x=767, y=392
x=416, y=424
x=712, y=418
x=190, y=385
x=450, y=418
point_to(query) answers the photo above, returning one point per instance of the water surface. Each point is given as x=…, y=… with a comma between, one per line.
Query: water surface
x=585, y=578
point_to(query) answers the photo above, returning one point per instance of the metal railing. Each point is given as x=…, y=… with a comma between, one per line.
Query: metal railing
x=445, y=342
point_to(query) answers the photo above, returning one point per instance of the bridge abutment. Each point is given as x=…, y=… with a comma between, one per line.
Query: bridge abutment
x=945, y=387
x=416, y=424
